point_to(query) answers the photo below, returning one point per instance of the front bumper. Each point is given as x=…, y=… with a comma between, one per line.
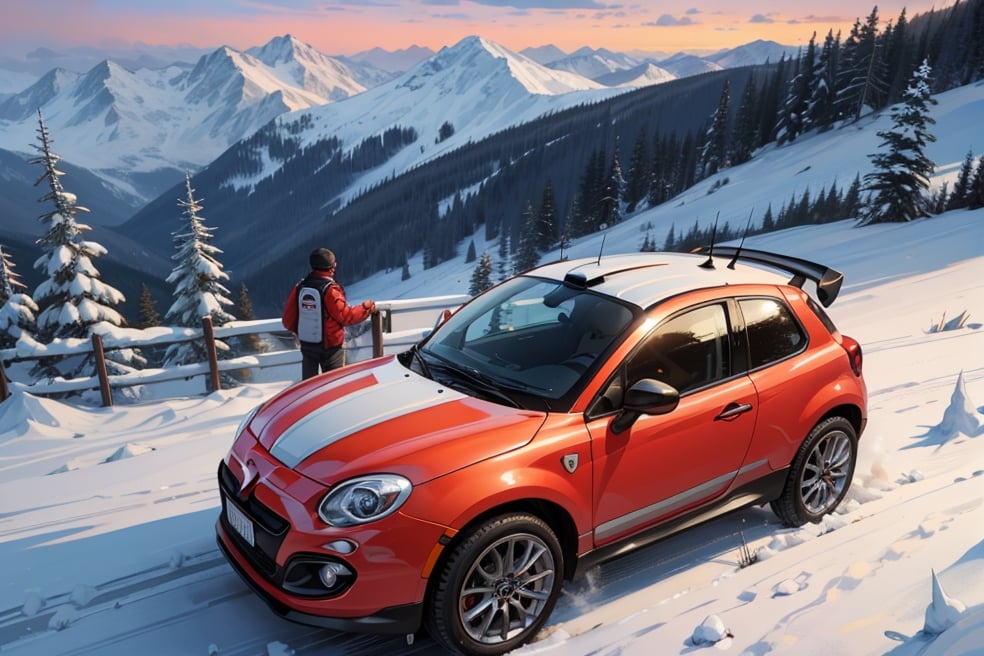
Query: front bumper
x=387, y=564
x=397, y=620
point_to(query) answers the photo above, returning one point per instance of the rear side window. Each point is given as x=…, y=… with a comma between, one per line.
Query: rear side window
x=773, y=332
x=822, y=315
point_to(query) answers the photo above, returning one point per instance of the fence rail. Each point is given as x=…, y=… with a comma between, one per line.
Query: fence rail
x=394, y=327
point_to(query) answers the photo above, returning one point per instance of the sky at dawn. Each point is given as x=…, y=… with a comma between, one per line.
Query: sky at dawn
x=345, y=27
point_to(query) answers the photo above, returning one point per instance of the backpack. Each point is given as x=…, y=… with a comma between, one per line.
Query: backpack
x=311, y=310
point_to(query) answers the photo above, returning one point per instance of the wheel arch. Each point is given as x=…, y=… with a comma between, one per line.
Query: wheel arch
x=848, y=411
x=552, y=514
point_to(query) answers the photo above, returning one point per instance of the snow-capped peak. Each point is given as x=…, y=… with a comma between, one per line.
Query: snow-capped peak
x=487, y=58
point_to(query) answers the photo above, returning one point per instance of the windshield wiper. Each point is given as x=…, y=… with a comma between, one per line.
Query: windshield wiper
x=478, y=382
x=419, y=357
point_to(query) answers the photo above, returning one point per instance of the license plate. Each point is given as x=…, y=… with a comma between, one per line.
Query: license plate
x=241, y=523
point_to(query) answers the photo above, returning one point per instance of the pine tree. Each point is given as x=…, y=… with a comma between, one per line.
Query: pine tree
x=850, y=76
x=18, y=312
x=149, y=317
x=405, y=270
x=670, y=243
x=851, y=205
x=546, y=220
x=611, y=196
x=793, y=114
x=249, y=343
x=527, y=256
x=638, y=181
x=481, y=278
x=714, y=154
x=73, y=299
x=768, y=222
x=975, y=195
x=820, y=109
x=901, y=171
x=958, y=198
x=10, y=282
x=197, y=278
x=471, y=255
x=504, y=268
x=746, y=126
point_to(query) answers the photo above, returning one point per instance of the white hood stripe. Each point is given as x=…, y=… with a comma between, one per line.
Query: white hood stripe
x=397, y=392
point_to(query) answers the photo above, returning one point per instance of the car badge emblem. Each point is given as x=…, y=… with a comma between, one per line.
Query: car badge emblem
x=570, y=462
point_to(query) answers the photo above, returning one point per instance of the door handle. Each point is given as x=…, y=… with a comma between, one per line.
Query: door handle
x=732, y=410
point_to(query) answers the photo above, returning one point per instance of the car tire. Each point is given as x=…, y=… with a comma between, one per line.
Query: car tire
x=497, y=587
x=821, y=473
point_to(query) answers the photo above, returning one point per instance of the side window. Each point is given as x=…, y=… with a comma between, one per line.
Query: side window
x=690, y=350
x=773, y=333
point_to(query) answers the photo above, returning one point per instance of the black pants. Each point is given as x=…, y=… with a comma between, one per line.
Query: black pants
x=316, y=357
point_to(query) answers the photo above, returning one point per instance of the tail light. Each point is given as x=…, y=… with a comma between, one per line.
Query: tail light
x=853, y=348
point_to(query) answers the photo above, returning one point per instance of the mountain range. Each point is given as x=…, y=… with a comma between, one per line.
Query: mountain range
x=138, y=131
x=137, y=128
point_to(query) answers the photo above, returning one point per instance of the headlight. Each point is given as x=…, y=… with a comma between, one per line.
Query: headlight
x=248, y=418
x=364, y=499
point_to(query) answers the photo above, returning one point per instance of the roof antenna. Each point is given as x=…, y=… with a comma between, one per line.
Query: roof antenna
x=601, y=248
x=709, y=263
x=731, y=264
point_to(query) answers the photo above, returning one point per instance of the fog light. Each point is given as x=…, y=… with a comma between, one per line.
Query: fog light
x=329, y=574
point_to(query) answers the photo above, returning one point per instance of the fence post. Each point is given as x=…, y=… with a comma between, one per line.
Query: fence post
x=4, y=390
x=377, y=334
x=101, y=372
x=213, y=384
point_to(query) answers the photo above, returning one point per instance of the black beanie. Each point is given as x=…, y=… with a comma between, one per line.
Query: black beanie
x=322, y=259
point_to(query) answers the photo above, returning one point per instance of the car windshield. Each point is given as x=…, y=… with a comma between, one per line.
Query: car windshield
x=536, y=341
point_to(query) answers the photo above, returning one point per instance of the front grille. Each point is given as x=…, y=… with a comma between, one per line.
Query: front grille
x=270, y=529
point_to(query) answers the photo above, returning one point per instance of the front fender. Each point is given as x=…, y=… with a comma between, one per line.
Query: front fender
x=534, y=472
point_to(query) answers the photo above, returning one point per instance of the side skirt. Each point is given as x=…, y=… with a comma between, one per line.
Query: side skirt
x=761, y=490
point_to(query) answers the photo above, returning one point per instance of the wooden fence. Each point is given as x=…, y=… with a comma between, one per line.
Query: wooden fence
x=393, y=327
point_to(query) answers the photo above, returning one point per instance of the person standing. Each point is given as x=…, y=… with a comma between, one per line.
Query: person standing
x=317, y=312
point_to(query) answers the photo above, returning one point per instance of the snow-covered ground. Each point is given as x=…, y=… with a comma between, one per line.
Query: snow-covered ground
x=106, y=514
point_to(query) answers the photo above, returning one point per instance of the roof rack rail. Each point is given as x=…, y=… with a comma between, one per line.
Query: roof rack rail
x=828, y=280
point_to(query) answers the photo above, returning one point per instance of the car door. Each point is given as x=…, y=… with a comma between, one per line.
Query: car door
x=664, y=465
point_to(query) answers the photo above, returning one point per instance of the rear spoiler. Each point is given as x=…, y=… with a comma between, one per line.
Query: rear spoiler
x=828, y=280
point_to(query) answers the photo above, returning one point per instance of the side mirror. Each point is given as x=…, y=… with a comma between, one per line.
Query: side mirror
x=646, y=397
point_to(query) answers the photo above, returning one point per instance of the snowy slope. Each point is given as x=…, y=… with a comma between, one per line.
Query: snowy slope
x=638, y=76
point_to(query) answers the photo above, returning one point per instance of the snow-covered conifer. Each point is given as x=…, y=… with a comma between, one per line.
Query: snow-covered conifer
x=481, y=278
x=72, y=298
x=10, y=282
x=902, y=170
x=72, y=301
x=197, y=277
x=18, y=312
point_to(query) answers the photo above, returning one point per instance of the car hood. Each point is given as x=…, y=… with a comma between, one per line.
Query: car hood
x=382, y=417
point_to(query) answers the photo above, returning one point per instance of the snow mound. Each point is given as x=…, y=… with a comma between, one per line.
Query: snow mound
x=33, y=603
x=960, y=417
x=129, y=450
x=71, y=465
x=21, y=409
x=943, y=612
x=711, y=631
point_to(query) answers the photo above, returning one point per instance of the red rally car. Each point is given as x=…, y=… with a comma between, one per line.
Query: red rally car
x=555, y=420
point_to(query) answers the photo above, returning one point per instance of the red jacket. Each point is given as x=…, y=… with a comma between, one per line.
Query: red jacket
x=338, y=313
